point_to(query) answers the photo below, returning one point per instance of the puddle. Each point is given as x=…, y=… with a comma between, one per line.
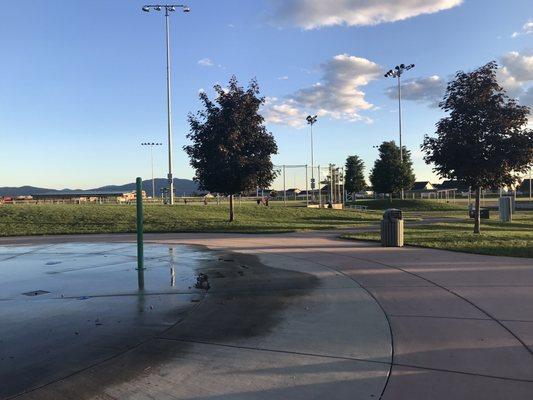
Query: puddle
x=69, y=306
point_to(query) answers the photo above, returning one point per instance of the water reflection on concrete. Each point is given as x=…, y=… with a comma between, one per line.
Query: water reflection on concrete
x=67, y=306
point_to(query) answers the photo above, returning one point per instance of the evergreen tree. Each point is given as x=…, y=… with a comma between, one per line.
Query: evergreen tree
x=389, y=174
x=354, y=176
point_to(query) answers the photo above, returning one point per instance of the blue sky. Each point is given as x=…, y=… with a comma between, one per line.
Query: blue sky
x=82, y=84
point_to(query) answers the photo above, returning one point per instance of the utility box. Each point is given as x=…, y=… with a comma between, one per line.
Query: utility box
x=513, y=201
x=506, y=209
x=392, y=228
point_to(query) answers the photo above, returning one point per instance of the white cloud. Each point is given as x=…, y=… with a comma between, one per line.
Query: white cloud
x=283, y=113
x=526, y=98
x=527, y=28
x=283, y=78
x=516, y=76
x=312, y=14
x=428, y=90
x=337, y=95
x=205, y=62
x=517, y=65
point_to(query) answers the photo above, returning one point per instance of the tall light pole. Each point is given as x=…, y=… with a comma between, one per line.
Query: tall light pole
x=152, y=144
x=397, y=72
x=311, y=120
x=168, y=9
x=530, y=186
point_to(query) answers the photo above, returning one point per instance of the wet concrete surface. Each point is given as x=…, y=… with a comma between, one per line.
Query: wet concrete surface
x=75, y=325
x=66, y=307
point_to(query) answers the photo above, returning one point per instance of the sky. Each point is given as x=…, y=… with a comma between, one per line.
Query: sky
x=82, y=83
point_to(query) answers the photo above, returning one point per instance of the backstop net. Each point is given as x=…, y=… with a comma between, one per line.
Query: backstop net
x=301, y=184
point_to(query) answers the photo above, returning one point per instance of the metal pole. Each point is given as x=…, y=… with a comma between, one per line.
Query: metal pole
x=319, y=188
x=306, y=188
x=312, y=164
x=343, y=182
x=337, y=185
x=139, y=223
x=284, y=188
x=169, y=111
x=530, y=183
x=330, y=184
x=153, y=180
x=400, y=121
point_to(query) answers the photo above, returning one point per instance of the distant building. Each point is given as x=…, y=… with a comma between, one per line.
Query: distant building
x=292, y=193
x=87, y=197
x=453, y=184
x=422, y=186
x=525, y=187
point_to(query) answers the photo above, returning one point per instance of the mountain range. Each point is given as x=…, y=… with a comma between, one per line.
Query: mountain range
x=184, y=187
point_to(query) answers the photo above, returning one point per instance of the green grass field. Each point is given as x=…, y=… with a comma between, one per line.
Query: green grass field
x=504, y=239
x=410, y=205
x=23, y=220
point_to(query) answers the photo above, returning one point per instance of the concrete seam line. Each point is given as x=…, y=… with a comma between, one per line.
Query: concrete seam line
x=530, y=351
x=29, y=252
x=459, y=318
x=114, y=356
x=298, y=353
x=372, y=296
x=346, y=276
x=439, y=317
x=341, y=358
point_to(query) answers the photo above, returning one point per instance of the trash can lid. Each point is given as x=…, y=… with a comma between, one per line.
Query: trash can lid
x=392, y=213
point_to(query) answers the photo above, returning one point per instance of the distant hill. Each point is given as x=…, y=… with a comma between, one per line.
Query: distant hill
x=181, y=187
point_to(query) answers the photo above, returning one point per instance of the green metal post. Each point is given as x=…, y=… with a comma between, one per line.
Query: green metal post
x=140, y=243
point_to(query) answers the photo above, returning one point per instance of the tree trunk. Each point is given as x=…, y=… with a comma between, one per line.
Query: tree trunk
x=231, y=209
x=477, y=217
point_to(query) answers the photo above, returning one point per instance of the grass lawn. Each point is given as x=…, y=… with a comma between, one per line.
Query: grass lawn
x=70, y=218
x=411, y=205
x=503, y=239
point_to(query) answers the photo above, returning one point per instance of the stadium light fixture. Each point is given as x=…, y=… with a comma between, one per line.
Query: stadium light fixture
x=168, y=8
x=311, y=120
x=152, y=144
x=397, y=73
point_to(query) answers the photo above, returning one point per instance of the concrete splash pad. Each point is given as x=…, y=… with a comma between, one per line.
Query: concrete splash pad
x=75, y=325
x=64, y=308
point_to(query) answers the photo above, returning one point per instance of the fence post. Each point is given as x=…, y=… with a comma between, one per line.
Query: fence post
x=306, y=188
x=284, y=188
x=140, y=239
x=319, y=188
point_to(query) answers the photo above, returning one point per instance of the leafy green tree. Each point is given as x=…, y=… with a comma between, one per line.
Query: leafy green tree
x=484, y=141
x=231, y=149
x=389, y=174
x=354, y=176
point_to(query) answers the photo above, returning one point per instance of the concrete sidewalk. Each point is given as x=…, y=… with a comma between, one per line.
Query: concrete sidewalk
x=312, y=316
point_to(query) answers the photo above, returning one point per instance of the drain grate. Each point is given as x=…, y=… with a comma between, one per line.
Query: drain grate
x=35, y=293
